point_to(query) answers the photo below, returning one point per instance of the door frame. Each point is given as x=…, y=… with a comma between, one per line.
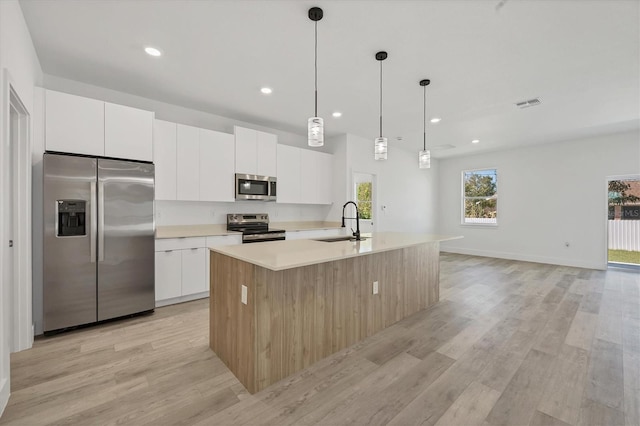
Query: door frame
x=20, y=336
x=606, y=223
x=374, y=198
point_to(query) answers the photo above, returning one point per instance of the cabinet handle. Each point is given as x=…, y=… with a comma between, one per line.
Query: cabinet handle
x=168, y=251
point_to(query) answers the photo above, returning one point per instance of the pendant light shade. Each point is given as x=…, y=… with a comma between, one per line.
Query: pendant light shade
x=315, y=124
x=380, y=143
x=424, y=156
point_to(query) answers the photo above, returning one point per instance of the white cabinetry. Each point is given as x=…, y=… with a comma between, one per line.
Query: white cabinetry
x=304, y=176
x=73, y=124
x=255, y=152
x=188, y=163
x=168, y=274
x=128, y=133
x=164, y=158
x=288, y=174
x=182, y=267
x=193, y=164
x=79, y=125
x=216, y=166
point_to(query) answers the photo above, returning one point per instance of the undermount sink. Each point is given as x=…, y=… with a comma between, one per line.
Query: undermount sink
x=335, y=239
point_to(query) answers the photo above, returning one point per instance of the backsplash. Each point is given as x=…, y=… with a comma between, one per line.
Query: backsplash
x=200, y=212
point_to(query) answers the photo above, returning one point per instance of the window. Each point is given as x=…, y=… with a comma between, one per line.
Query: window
x=363, y=199
x=480, y=196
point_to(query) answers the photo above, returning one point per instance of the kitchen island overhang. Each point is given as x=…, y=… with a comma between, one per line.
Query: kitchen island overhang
x=306, y=299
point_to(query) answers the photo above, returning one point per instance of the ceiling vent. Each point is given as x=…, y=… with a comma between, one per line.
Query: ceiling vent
x=528, y=103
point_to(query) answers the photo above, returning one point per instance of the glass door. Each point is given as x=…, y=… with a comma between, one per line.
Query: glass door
x=623, y=240
x=363, y=195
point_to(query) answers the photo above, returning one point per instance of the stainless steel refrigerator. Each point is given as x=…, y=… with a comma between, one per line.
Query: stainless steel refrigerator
x=98, y=239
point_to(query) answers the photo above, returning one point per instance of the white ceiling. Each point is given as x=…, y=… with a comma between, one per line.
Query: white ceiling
x=581, y=58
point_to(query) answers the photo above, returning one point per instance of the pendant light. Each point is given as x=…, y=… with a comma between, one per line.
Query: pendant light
x=315, y=125
x=424, y=157
x=380, y=143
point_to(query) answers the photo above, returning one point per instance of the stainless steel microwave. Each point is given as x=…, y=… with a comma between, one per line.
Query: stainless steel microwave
x=254, y=187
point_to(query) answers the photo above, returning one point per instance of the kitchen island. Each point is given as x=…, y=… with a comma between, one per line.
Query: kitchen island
x=278, y=307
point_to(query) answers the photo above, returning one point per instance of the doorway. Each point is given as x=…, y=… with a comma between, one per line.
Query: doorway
x=623, y=221
x=364, y=195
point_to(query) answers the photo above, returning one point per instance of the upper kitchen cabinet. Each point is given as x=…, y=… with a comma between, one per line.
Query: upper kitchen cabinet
x=216, y=166
x=256, y=152
x=288, y=174
x=304, y=176
x=192, y=164
x=73, y=124
x=128, y=132
x=188, y=163
x=164, y=158
x=79, y=125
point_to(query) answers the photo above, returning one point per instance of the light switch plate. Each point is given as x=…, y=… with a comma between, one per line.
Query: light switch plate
x=375, y=287
x=243, y=297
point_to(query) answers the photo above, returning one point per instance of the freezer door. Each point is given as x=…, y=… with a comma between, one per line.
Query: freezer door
x=69, y=276
x=125, y=238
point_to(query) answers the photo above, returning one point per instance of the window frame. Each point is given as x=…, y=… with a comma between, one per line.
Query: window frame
x=464, y=198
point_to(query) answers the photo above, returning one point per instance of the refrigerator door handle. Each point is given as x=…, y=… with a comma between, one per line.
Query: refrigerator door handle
x=94, y=223
x=100, y=221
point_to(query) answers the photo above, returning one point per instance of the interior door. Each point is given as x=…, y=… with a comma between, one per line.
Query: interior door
x=125, y=238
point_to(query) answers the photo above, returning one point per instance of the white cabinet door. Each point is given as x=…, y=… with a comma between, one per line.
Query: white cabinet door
x=246, y=155
x=216, y=166
x=288, y=174
x=168, y=274
x=128, y=132
x=193, y=271
x=74, y=124
x=308, y=177
x=324, y=194
x=164, y=157
x=267, y=154
x=188, y=163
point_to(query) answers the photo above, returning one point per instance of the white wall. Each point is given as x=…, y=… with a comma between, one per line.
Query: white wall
x=18, y=57
x=408, y=192
x=197, y=212
x=548, y=195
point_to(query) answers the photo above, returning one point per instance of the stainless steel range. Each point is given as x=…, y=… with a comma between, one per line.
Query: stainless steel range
x=254, y=227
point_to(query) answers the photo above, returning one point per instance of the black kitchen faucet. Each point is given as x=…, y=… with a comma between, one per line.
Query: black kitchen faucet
x=357, y=218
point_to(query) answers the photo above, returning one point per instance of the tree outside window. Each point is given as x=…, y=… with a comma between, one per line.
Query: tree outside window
x=363, y=199
x=480, y=196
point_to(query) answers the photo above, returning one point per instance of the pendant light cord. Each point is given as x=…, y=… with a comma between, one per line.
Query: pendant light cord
x=380, y=98
x=316, y=68
x=424, y=121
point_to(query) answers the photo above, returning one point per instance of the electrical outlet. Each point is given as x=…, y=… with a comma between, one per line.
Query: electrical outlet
x=243, y=296
x=375, y=287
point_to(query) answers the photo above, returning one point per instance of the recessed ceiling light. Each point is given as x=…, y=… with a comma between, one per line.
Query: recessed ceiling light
x=475, y=141
x=152, y=51
x=266, y=90
x=337, y=114
x=436, y=120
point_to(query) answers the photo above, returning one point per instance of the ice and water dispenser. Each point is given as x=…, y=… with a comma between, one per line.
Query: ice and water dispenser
x=71, y=218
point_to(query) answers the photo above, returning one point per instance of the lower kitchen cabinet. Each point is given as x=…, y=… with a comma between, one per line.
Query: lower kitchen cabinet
x=182, y=267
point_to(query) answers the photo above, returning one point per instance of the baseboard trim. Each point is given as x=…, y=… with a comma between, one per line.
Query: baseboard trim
x=4, y=395
x=524, y=258
x=181, y=299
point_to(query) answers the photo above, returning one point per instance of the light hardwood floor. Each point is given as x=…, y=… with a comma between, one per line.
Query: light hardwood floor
x=510, y=343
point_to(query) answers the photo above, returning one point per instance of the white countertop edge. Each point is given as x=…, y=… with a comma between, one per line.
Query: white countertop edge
x=224, y=250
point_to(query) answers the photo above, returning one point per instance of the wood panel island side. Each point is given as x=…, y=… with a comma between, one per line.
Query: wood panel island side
x=306, y=299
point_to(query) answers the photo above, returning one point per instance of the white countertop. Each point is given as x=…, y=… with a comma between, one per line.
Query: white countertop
x=279, y=255
x=208, y=230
